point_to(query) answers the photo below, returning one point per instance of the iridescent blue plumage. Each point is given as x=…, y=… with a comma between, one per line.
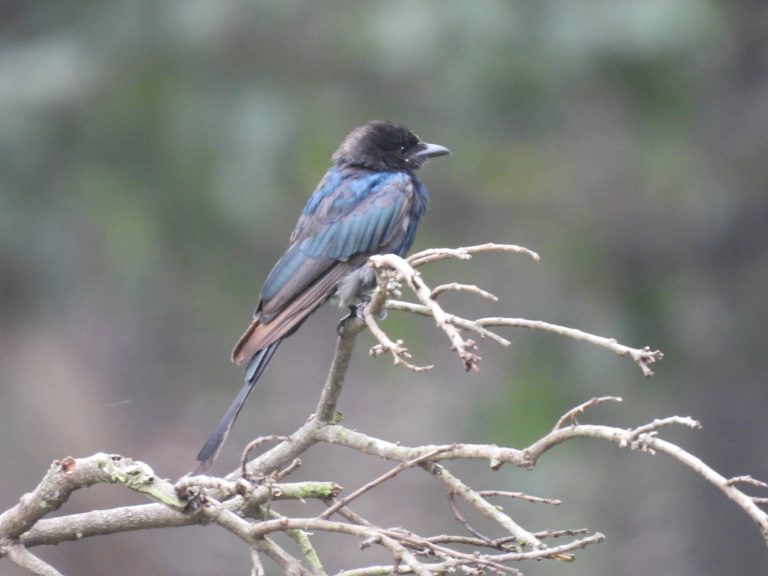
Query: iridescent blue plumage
x=369, y=202
x=352, y=213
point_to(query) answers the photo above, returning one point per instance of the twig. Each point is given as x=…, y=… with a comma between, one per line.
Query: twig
x=647, y=442
x=398, y=550
x=464, y=348
x=301, y=537
x=448, y=323
x=23, y=558
x=760, y=501
x=520, y=496
x=561, y=552
x=288, y=470
x=381, y=479
x=465, y=253
x=253, y=444
x=258, y=567
x=747, y=480
x=287, y=563
x=400, y=354
x=639, y=435
x=457, y=321
x=485, y=508
x=573, y=412
x=643, y=357
x=456, y=287
x=560, y=533
x=464, y=522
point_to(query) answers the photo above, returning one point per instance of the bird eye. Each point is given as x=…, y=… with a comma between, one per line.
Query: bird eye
x=403, y=149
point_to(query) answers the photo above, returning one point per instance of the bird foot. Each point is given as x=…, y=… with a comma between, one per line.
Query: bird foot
x=356, y=312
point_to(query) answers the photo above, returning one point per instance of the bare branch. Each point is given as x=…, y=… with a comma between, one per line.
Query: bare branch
x=573, y=412
x=398, y=551
x=145, y=516
x=464, y=522
x=406, y=271
x=456, y=287
x=520, y=496
x=326, y=407
x=400, y=354
x=301, y=537
x=643, y=357
x=544, y=534
x=465, y=253
x=464, y=348
x=381, y=479
x=457, y=321
x=486, y=509
x=67, y=475
x=252, y=445
x=287, y=563
x=258, y=567
x=747, y=480
x=243, y=507
x=23, y=558
x=559, y=552
x=643, y=438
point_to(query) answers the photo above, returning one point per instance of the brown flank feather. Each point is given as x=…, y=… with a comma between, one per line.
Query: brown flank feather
x=259, y=336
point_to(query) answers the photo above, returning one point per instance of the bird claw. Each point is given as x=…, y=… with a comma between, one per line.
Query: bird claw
x=355, y=313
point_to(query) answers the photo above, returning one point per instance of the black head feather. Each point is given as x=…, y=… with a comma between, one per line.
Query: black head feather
x=384, y=145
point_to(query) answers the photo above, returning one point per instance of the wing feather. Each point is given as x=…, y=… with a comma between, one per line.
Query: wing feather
x=336, y=233
x=260, y=335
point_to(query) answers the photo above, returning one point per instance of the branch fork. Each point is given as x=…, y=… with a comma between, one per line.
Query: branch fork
x=393, y=271
x=242, y=502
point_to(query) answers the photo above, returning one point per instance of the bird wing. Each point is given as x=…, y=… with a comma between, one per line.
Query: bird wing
x=348, y=218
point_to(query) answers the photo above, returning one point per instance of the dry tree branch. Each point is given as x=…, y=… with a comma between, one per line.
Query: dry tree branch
x=643, y=357
x=404, y=270
x=642, y=438
x=400, y=354
x=456, y=486
x=581, y=408
x=252, y=445
x=241, y=502
x=23, y=558
x=378, y=481
x=410, y=276
x=464, y=324
x=456, y=287
x=520, y=496
x=466, y=252
x=760, y=501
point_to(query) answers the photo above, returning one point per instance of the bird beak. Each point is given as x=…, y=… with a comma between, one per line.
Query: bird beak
x=427, y=150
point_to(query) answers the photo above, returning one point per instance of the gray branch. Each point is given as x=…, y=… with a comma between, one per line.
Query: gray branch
x=244, y=507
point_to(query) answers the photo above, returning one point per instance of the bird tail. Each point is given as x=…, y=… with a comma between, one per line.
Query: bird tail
x=253, y=371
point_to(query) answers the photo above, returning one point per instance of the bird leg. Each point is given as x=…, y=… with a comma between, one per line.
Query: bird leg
x=356, y=312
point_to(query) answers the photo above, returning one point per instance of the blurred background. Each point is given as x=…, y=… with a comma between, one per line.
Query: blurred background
x=156, y=155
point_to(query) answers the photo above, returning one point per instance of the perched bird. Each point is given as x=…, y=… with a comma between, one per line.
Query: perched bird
x=369, y=202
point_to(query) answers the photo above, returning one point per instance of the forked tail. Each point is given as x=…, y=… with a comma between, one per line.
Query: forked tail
x=253, y=371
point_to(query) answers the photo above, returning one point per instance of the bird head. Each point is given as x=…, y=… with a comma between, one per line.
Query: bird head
x=385, y=145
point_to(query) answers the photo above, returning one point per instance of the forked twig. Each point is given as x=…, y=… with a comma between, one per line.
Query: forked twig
x=404, y=271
